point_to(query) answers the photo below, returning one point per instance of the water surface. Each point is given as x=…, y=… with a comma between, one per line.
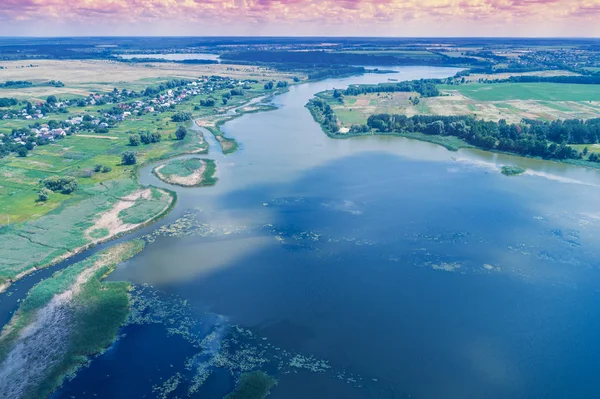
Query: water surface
x=396, y=267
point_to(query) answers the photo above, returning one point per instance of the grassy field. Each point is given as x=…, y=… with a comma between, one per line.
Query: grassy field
x=527, y=91
x=62, y=321
x=191, y=172
x=458, y=100
x=84, y=77
x=118, y=206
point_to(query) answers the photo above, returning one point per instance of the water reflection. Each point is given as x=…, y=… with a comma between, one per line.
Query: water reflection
x=424, y=271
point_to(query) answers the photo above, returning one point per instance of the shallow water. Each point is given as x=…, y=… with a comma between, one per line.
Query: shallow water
x=375, y=267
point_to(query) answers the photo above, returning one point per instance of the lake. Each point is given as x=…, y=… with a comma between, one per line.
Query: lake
x=173, y=56
x=375, y=267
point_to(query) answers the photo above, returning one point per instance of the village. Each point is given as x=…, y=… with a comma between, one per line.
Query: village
x=104, y=110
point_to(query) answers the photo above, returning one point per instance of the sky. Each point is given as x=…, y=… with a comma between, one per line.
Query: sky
x=405, y=18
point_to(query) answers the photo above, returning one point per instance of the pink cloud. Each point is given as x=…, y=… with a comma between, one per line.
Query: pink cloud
x=349, y=15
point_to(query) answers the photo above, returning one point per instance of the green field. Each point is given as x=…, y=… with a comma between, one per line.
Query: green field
x=526, y=91
x=38, y=243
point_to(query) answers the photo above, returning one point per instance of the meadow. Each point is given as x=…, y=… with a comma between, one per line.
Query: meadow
x=526, y=91
x=486, y=101
x=84, y=77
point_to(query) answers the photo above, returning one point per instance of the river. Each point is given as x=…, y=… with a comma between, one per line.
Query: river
x=374, y=267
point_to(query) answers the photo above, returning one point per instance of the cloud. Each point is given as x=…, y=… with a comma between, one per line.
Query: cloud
x=302, y=16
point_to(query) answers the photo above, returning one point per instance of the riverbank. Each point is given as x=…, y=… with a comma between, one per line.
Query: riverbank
x=62, y=321
x=110, y=210
x=447, y=141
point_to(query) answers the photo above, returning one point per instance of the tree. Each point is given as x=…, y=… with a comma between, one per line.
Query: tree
x=106, y=169
x=268, y=86
x=51, y=100
x=44, y=194
x=181, y=117
x=128, y=158
x=181, y=132
x=98, y=168
x=64, y=184
x=22, y=151
x=134, y=140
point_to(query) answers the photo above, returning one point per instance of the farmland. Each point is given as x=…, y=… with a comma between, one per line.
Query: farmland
x=84, y=77
x=486, y=101
x=526, y=91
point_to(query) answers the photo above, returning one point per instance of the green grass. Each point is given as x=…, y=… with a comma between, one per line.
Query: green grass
x=37, y=243
x=181, y=167
x=253, y=385
x=99, y=233
x=558, y=107
x=91, y=319
x=527, y=91
x=143, y=209
x=510, y=170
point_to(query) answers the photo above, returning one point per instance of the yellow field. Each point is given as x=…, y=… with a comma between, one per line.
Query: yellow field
x=85, y=77
x=356, y=109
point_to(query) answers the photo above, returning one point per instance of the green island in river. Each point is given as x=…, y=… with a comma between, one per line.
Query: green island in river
x=189, y=172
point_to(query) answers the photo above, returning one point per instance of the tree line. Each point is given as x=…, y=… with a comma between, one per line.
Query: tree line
x=543, y=139
x=425, y=87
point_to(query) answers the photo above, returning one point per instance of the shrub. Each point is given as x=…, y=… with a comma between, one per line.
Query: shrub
x=181, y=117
x=22, y=151
x=181, y=132
x=64, y=184
x=128, y=158
x=44, y=194
x=134, y=140
x=106, y=169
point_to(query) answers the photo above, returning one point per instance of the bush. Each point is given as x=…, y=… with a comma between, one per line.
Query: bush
x=106, y=169
x=22, y=151
x=98, y=168
x=134, y=140
x=128, y=158
x=64, y=184
x=181, y=132
x=44, y=194
x=181, y=117
x=147, y=137
x=209, y=102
